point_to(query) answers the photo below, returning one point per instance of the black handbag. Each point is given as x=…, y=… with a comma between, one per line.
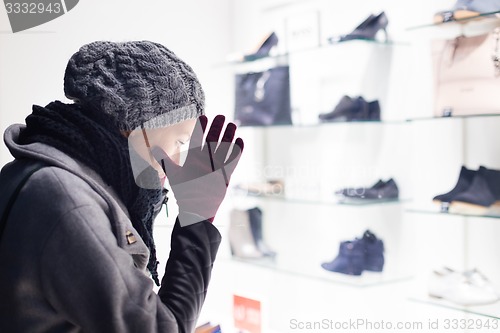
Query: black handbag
x=263, y=98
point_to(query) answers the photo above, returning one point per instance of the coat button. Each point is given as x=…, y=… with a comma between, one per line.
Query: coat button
x=130, y=237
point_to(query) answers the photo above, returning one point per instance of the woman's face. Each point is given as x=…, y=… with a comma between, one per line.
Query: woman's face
x=173, y=140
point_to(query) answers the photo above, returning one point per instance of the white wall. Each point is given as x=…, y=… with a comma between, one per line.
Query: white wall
x=32, y=62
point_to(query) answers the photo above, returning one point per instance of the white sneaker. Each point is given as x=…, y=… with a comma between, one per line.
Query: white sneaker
x=480, y=280
x=467, y=288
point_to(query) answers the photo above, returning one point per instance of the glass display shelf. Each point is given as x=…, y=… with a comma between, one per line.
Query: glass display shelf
x=489, y=16
x=275, y=57
x=319, y=201
x=284, y=4
x=331, y=123
x=350, y=43
x=451, y=118
x=285, y=55
x=488, y=310
x=435, y=209
x=374, y=123
x=313, y=270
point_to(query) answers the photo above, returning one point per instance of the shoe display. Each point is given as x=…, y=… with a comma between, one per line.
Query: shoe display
x=374, y=111
x=240, y=236
x=350, y=259
x=274, y=187
x=327, y=90
x=358, y=255
x=245, y=234
x=476, y=192
x=358, y=190
x=353, y=109
x=475, y=277
x=380, y=191
x=367, y=30
x=482, y=196
x=467, y=288
x=265, y=47
x=464, y=180
x=464, y=9
x=261, y=51
x=374, y=252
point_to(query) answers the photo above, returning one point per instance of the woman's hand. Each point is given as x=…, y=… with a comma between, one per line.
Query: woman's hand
x=200, y=184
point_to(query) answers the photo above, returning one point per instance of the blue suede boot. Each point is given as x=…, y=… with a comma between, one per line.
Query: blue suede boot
x=374, y=252
x=350, y=259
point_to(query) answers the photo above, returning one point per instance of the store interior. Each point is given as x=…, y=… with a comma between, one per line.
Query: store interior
x=370, y=190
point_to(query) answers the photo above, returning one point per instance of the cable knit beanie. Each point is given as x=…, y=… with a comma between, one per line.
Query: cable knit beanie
x=137, y=83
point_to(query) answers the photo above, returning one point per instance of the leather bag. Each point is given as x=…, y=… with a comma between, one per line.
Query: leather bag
x=263, y=98
x=467, y=75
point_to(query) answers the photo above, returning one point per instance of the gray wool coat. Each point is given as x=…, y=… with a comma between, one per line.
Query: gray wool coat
x=67, y=265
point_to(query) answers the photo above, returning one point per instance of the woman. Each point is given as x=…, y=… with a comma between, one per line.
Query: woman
x=77, y=252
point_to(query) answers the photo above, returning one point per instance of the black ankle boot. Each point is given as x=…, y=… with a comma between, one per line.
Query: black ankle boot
x=493, y=180
x=484, y=190
x=464, y=181
x=374, y=111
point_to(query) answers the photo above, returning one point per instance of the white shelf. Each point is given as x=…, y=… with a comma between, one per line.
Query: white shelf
x=490, y=310
x=314, y=271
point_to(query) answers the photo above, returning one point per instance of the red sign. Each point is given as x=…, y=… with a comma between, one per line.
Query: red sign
x=246, y=314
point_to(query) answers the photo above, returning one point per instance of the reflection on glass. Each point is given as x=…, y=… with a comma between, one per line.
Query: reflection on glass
x=489, y=15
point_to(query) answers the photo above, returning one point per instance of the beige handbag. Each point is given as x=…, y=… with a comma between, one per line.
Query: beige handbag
x=467, y=75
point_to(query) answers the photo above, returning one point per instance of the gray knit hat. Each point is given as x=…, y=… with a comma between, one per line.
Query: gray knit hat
x=138, y=83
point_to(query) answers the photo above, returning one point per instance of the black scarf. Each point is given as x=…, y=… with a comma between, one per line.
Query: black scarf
x=90, y=137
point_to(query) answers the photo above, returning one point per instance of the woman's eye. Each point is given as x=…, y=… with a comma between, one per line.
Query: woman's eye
x=180, y=143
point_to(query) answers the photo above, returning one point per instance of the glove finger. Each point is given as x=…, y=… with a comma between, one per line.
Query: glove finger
x=215, y=129
x=196, y=141
x=233, y=159
x=226, y=143
x=212, y=140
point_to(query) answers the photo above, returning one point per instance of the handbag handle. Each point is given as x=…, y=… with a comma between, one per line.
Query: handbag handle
x=260, y=91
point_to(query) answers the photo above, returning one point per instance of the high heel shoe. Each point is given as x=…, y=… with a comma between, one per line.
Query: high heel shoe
x=265, y=47
x=367, y=30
